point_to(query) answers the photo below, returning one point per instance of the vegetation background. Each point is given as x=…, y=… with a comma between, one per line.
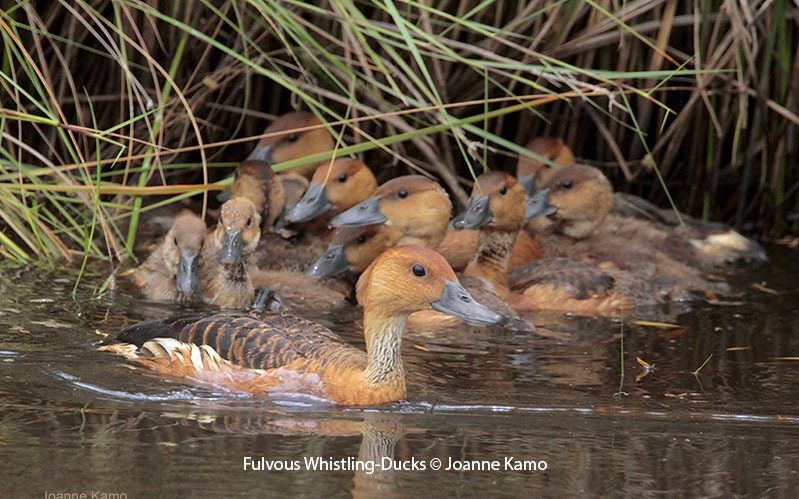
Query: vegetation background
x=112, y=107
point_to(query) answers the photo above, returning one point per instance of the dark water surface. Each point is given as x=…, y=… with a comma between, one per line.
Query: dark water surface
x=76, y=420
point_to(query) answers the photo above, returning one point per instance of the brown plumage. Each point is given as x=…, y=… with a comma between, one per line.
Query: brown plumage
x=227, y=258
x=178, y=254
x=459, y=246
x=551, y=148
x=416, y=209
x=697, y=244
x=547, y=284
x=346, y=183
x=585, y=227
x=293, y=136
x=414, y=205
x=284, y=353
x=256, y=181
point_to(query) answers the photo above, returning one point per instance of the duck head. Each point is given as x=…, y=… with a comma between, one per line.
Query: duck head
x=498, y=202
x=182, y=246
x=353, y=249
x=530, y=171
x=292, y=136
x=583, y=197
x=238, y=231
x=409, y=278
x=335, y=188
x=415, y=206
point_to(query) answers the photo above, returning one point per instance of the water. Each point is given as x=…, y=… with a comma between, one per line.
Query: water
x=76, y=420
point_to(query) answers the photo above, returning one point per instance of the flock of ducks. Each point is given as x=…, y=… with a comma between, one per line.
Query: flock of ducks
x=554, y=237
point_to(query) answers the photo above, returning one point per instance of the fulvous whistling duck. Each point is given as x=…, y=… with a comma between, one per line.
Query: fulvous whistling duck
x=282, y=353
x=334, y=188
x=700, y=244
x=303, y=134
x=415, y=206
x=530, y=171
x=353, y=249
x=585, y=226
x=227, y=264
x=498, y=209
x=411, y=208
x=171, y=273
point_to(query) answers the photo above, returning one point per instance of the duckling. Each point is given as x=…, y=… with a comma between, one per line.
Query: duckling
x=282, y=353
x=170, y=272
x=334, y=188
x=498, y=209
x=227, y=257
x=305, y=135
x=531, y=170
x=279, y=260
x=586, y=227
x=415, y=206
x=256, y=181
x=411, y=208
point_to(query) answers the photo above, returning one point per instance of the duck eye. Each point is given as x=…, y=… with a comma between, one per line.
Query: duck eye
x=361, y=239
x=342, y=178
x=249, y=221
x=292, y=137
x=402, y=194
x=566, y=185
x=504, y=190
x=176, y=241
x=418, y=270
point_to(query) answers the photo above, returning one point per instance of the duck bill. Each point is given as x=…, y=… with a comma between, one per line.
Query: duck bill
x=312, y=204
x=538, y=205
x=528, y=183
x=232, y=247
x=187, y=278
x=477, y=215
x=457, y=302
x=366, y=212
x=261, y=153
x=333, y=262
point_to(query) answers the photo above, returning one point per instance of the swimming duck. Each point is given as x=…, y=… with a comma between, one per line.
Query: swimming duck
x=585, y=226
x=283, y=353
x=303, y=135
x=227, y=258
x=411, y=208
x=703, y=244
x=170, y=273
x=416, y=206
x=498, y=209
x=334, y=188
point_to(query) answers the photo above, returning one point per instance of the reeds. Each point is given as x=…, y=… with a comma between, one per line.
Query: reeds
x=110, y=105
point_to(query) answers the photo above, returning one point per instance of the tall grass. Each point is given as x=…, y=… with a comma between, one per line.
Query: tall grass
x=113, y=107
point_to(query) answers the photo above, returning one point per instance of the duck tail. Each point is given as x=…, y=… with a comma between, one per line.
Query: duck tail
x=730, y=247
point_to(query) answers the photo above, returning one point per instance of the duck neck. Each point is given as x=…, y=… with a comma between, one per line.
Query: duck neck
x=383, y=344
x=491, y=259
